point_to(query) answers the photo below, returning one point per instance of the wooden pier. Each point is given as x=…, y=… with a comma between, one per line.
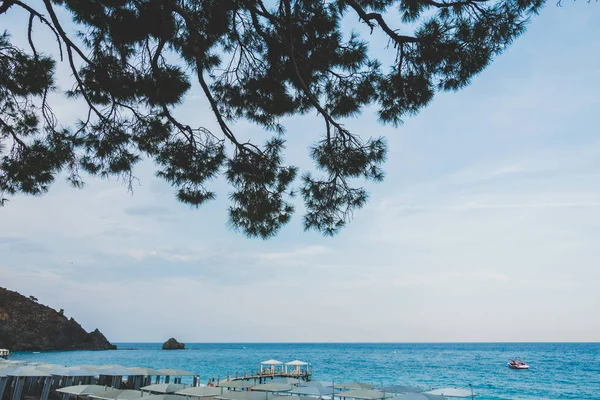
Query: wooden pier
x=262, y=377
x=270, y=370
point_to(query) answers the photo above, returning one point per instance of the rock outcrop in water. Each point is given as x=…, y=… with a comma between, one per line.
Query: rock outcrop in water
x=173, y=344
x=26, y=325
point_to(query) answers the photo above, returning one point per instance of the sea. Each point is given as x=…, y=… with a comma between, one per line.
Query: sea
x=557, y=370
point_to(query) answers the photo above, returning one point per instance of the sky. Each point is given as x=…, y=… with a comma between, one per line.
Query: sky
x=485, y=229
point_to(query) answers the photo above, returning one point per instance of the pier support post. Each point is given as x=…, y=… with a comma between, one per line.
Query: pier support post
x=2, y=385
x=18, y=388
x=46, y=390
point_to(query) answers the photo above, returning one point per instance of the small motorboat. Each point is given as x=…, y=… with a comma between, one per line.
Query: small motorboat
x=517, y=364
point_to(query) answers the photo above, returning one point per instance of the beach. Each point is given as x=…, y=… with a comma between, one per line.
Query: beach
x=558, y=370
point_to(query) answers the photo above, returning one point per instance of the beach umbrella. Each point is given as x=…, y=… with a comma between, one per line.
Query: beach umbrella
x=290, y=397
x=163, y=397
x=239, y=395
x=69, y=372
x=353, y=385
x=240, y=384
x=365, y=394
x=312, y=391
x=325, y=384
x=451, y=392
x=402, y=389
x=273, y=387
x=83, y=390
x=137, y=371
x=201, y=391
x=291, y=381
x=116, y=394
x=174, y=372
x=164, y=388
x=115, y=371
x=25, y=372
x=88, y=367
x=418, y=396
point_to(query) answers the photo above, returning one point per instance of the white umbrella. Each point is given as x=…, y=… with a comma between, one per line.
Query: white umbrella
x=402, y=389
x=164, y=387
x=115, y=371
x=451, y=392
x=68, y=372
x=83, y=390
x=238, y=395
x=26, y=372
x=316, y=384
x=418, y=396
x=89, y=367
x=312, y=391
x=144, y=371
x=117, y=394
x=174, y=372
x=201, y=391
x=239, y=384
x=290, y=381
x=353, y=385
x=163, y=397
x=273, y=387
x=365, y=394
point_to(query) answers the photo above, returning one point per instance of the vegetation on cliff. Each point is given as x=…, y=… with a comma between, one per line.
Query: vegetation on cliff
x=26, y=325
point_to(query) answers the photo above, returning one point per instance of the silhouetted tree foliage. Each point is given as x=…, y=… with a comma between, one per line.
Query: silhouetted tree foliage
x=254, y=60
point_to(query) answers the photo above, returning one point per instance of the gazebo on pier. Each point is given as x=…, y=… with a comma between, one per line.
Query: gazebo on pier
x=297, y=368
x=271, y=367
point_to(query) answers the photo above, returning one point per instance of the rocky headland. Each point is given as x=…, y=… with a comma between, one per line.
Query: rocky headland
x=26, y=325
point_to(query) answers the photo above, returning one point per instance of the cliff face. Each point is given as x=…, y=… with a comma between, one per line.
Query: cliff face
x=26, y=325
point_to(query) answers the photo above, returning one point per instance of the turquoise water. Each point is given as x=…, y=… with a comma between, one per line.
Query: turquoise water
x=558, y=370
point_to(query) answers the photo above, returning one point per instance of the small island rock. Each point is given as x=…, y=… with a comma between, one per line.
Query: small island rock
x=173, y=344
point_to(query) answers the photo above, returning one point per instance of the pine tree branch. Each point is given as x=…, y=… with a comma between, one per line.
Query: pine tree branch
x=452, y=3
x=5, y=6
x=44, y=20
x=199, y=72
x=369, y=17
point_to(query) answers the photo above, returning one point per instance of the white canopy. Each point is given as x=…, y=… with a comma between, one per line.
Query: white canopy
x=26, y=372
x=163, y=397
x=354, y=385
x=138, y=371
x=117, y=394
x=164, y=387
x=273, y=387
x=271, y=362
x=239, y=384
x=366, y=394
x=83, y=390
x=174, y=372
x=201, y=391
x=297, y=362
x=419, y=396
x=451, y=392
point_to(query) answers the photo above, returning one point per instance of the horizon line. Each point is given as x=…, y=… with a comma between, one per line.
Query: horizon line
x=383, y=342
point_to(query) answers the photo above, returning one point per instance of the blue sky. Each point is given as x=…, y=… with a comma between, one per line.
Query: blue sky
x=486, y=227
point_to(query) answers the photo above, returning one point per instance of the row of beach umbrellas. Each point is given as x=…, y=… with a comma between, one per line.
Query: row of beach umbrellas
x=291, y=387
x=39, y=369
x=171, y=391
